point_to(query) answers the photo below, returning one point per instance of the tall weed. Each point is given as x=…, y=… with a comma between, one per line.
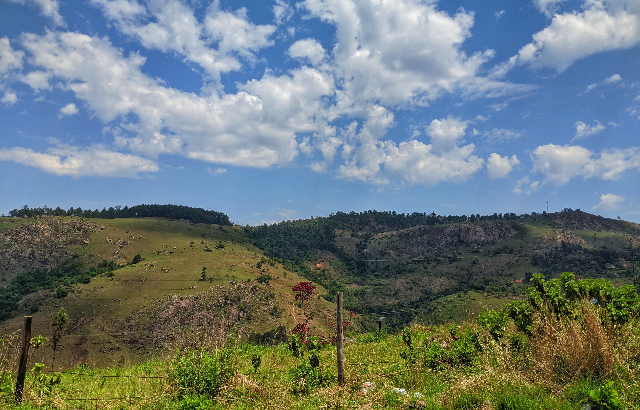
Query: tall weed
x=566, y=349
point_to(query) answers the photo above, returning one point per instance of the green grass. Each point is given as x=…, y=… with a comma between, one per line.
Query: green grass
x=492, y=382
x=559, y=362
x=460, y=307
x=8, y=223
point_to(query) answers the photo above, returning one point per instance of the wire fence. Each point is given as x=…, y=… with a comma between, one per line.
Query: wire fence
x=391, y=369
x=386, y=368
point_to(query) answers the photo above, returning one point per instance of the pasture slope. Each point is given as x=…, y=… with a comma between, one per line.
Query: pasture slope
x=123, y=316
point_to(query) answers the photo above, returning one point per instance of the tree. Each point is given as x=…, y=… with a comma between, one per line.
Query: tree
x=203, y=274
x=137, y=259
x=59, y=322
x=304, y=291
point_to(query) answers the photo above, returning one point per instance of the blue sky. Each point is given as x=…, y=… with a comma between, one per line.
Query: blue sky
x=276, y=110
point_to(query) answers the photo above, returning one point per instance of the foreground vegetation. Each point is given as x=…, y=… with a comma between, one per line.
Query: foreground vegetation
x=571, y=344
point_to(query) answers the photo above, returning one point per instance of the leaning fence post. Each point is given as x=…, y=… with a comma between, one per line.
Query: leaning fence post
x=339, y=341
x=22, y=364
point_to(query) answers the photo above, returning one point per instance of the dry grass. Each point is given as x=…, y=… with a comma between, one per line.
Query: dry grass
x=565, y=350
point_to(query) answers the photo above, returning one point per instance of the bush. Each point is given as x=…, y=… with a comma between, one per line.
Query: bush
x=199, y=373
x=494, y=321
x=264, y=279
x=605, y=398
x=462, y=351
x=195, y=403
x=61, y=292
x=270, y=337
x=522, y=315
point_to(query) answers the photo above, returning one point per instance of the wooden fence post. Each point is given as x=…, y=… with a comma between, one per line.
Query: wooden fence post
x=22, y=364
x=381, y=324
x=339, y=341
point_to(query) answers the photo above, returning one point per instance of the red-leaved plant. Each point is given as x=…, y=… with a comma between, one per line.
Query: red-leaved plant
x=304, y=291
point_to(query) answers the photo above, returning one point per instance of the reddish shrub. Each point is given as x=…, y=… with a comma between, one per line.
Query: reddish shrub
x=304, y=291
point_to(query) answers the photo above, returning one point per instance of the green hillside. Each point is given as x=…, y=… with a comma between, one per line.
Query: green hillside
x=121, y=312
x=402, y=265
x=408, y=268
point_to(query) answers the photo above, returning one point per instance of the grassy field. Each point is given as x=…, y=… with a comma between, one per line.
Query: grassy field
x=403, y=374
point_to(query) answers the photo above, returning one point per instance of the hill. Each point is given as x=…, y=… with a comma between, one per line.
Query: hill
x=125, y=311
x=134, y=287
x=400, y=265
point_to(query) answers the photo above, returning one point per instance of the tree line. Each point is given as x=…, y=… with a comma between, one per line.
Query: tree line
x=301, y=239
x=194, y=215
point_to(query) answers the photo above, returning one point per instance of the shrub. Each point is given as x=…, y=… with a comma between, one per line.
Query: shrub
x=563, y=297
x=61, y=292
x=195, y=403
x=605, y=397
x=264, y=279
x=307, y=374
x=270, y=337
x=199, y=373
x=462, y=351
x=522, y=315
x=519, y=343
x=304, y=291
x=494, y=321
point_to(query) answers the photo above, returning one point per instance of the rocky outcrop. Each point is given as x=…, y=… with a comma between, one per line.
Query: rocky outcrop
x=43, y=244
x=578, y=220
x=413, y=242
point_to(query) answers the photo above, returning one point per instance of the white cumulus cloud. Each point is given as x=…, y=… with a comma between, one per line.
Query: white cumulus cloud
x=403, y=52
x=38, y=80
x=526, y=185
x=410, y=162
x=9, y=97
x=282, y=11
x=217, y=44
x=584, y=130
x=601, y=26
x=613, y=79
x=548, y=7
x=386, y=54
x=69, y=109
x=77, y=162
x=308, y=49
x=10, y=59
x=499, y=166
x=256, y=127
x=48, y=8
x=559, y=164
x=609, y=202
